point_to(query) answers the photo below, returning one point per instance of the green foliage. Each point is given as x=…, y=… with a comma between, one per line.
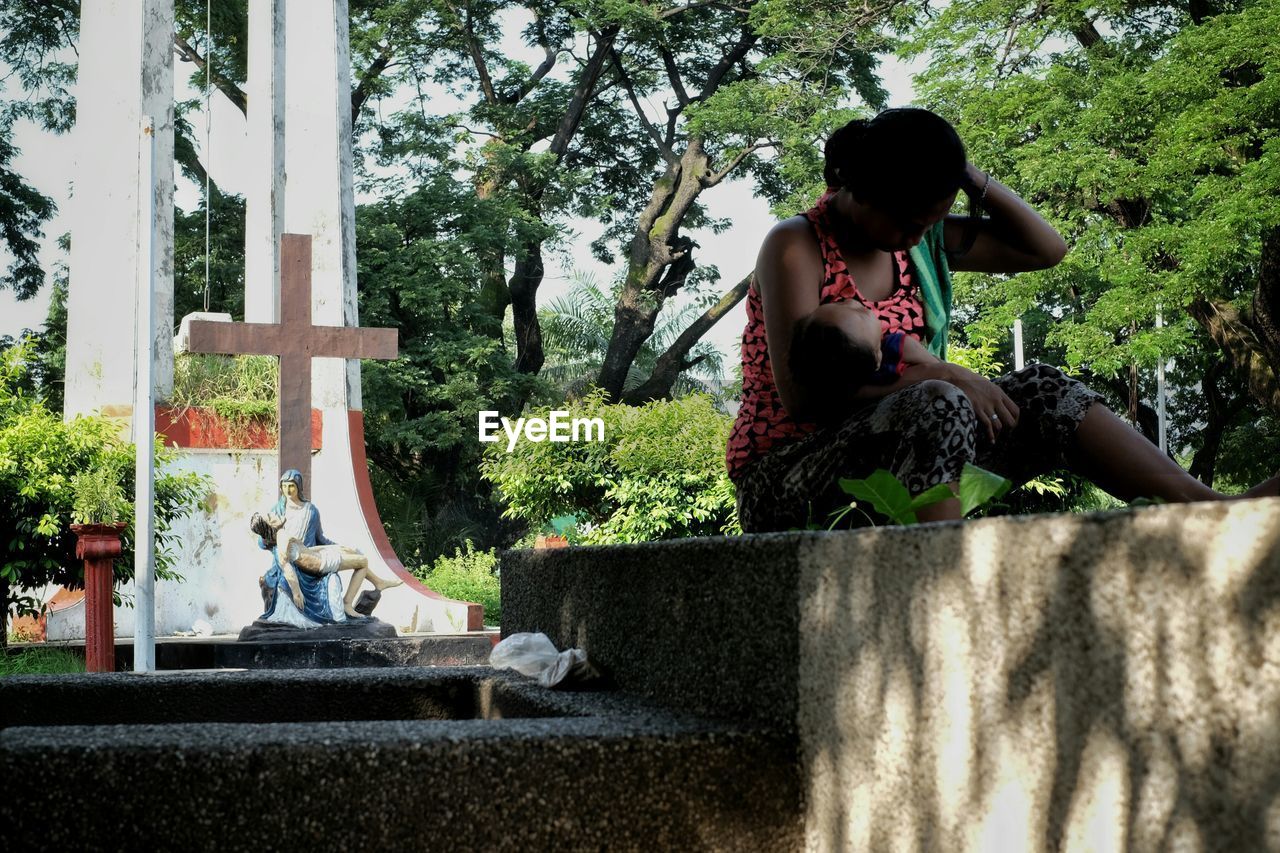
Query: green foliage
x=225, y=250
x=658, y=474
x=982, y=357
x=36, y=661
x=241, y=389
x=469, y=575
x=98, y=495
x=577, y=328
x=889, y=497
x=1149, y=135
x=420, y=259
x=40, y=456
x=34, y=38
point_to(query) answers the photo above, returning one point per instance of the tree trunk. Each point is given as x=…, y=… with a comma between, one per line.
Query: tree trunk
x=525, y=281
x=673, y=362
x=1143, y=417
x=1205, y=461
x=1266, y=298
x=1237, y=339
x=528, y=273
x=658, y=265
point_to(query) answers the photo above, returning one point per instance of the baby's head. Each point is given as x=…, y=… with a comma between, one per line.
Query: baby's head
x=839, y=343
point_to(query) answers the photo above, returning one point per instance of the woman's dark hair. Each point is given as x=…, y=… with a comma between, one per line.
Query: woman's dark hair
x=904, y=159
x=819, y=348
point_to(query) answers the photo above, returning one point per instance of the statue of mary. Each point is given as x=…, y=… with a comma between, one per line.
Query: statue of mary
x=302, y=587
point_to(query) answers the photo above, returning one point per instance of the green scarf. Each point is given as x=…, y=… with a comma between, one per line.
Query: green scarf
x=929, y=266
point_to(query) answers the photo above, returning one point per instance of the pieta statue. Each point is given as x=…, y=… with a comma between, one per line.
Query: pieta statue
x=302, y=587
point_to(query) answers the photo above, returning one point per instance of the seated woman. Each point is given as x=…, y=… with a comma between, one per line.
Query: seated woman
x=305, y=563
x=882, y=235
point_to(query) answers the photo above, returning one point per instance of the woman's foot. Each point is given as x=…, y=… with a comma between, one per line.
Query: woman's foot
x=1268, y=488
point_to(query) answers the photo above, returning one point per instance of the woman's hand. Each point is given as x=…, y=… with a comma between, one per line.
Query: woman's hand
x=1011, y=238
x=993, y=407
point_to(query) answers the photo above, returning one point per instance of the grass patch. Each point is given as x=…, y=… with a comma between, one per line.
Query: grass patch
x=48, y=661
x=241, y=389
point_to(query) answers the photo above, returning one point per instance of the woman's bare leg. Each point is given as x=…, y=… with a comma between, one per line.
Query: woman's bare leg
x=943, y=511
x=1122, y=462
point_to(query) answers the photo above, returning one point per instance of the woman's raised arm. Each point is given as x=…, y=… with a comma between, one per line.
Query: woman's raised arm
x=1013, y=238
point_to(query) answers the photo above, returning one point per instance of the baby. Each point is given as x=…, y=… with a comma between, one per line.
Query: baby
x=842, y=343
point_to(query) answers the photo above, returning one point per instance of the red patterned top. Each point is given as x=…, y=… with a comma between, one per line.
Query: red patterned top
x=762, y=421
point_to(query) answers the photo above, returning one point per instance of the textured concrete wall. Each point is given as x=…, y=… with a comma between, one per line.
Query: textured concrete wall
x=1095, y=683
x=709, y=626
x=1104, y=682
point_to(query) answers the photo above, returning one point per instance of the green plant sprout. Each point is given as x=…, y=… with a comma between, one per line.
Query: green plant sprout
x=888, y=496
x=98, y=495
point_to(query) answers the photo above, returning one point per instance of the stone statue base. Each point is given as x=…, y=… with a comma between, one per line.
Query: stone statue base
x=354, y=629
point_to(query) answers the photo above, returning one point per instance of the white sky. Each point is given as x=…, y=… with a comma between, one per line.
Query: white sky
x=46, y=161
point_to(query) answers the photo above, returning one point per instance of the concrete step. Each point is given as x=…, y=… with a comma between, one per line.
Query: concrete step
x=226, y=652
x=1093, y=682
x=378, y=759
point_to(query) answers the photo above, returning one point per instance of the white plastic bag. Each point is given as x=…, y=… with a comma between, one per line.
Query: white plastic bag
x=535, y=655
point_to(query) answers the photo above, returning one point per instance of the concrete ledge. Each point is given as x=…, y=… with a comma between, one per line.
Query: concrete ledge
x=1087, y=682
x=590, y=771
x=226, y=652
x=708, y=625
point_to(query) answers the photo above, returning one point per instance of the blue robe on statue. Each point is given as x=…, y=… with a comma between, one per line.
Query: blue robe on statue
x=321, y=595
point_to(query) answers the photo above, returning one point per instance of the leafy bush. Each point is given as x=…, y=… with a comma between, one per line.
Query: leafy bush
x=469, y=575
x=40, y=456
x=659, y=473
x=98, y=498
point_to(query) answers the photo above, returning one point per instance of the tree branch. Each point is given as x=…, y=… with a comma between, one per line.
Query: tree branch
x=716, y=177
x=477, y=57
x=671, y=13
x=745, y=42
x=673, y=75
x=548, y=62
x=673, y=361
x=663, y=148
x=225, y=85
x=371, y=74
x=1234, y=337
x=582, y=93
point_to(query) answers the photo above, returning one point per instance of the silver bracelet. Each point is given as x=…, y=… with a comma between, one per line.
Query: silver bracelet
x=982, y=199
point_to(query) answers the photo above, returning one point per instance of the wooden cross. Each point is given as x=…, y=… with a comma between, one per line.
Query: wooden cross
x=296, y=341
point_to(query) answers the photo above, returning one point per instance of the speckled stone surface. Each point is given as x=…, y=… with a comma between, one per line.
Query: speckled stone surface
x=305, y=651
x=708, y=625
x=524, y=769
x=1096, y=682
x=1089, y=682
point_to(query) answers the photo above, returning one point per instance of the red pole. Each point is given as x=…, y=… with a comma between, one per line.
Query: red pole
x=98, y=545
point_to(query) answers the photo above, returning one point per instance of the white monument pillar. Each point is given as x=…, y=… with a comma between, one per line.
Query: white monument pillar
x=126, y=73
x=265, y=184
x=319, y=195
x=320, y=201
